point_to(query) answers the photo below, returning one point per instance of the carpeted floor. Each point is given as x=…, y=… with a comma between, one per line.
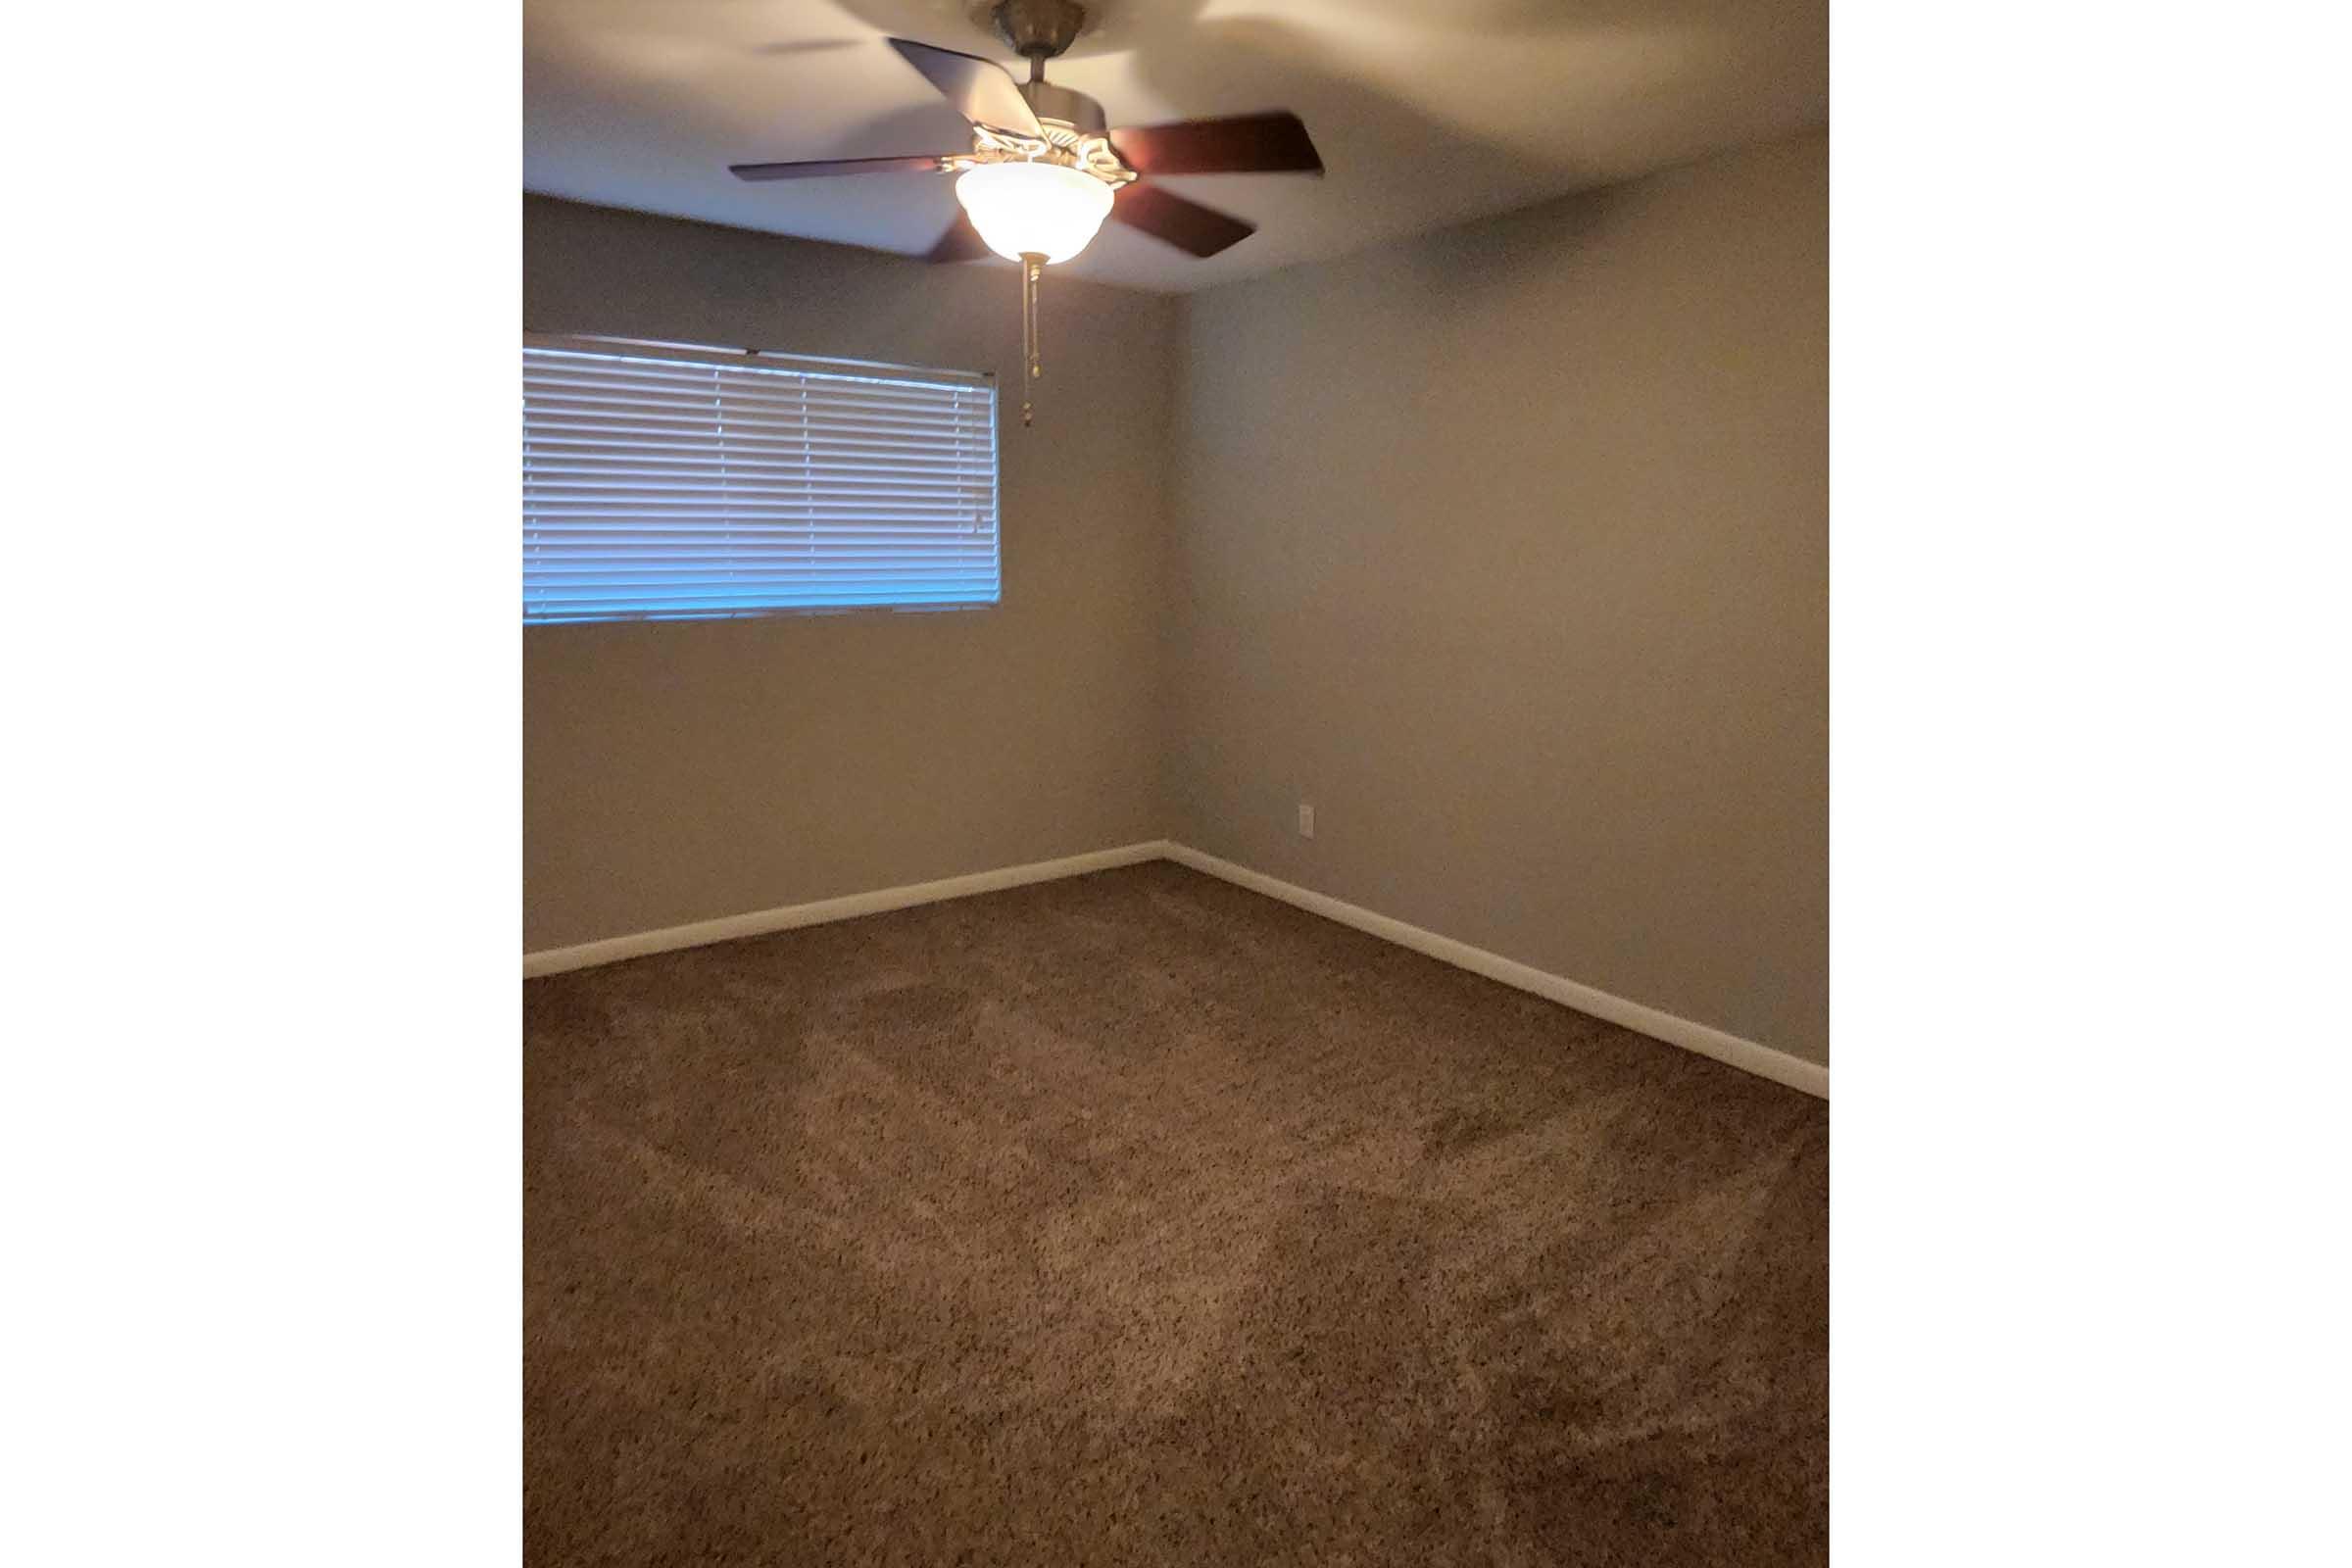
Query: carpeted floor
x=1137, y=1218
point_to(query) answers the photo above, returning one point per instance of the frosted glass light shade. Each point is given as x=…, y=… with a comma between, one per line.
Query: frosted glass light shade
x=1046, y=208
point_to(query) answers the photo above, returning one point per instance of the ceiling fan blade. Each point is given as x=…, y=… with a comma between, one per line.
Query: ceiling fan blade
x=1272, y=143
x=1186, y=224
x=960, y=243
x=982, y=91
x=819, y=168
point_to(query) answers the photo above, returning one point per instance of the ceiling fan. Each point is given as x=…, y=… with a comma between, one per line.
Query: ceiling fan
x=1045, y=168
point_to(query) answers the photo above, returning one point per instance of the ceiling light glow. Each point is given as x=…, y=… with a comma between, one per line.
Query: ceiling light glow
x=1034, y=208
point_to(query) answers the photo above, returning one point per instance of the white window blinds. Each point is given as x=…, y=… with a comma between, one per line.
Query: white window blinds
x=685, y=484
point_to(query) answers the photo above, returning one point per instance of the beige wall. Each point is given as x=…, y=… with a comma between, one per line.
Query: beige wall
x=1507, y=548
x=680, y=772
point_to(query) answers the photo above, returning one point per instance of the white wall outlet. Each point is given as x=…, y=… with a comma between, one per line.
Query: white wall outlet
x=1307, y=820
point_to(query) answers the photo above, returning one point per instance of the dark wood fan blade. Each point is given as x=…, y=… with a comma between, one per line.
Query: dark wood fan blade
x=960, y=243
x=982, y=91
x=1186, y=224
x=819, y=168
x=1272, y=143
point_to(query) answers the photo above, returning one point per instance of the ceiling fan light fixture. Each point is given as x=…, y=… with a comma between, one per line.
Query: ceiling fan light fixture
x=1034, y=208
x=1044, y=166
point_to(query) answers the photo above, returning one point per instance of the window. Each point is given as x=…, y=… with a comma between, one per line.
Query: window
x=675, y=483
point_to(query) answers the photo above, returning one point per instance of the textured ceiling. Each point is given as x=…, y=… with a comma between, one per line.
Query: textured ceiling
x=1427, y=111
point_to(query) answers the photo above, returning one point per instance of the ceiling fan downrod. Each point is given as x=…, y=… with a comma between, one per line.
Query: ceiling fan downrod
x=1039, y=30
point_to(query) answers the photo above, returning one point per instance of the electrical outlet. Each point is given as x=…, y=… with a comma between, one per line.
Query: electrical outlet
x=1307, y=820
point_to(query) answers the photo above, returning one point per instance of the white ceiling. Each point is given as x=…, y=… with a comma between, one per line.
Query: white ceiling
x=1427, y=111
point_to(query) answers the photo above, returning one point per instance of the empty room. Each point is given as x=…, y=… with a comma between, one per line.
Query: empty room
x=1201, y=714
x=1175, y=784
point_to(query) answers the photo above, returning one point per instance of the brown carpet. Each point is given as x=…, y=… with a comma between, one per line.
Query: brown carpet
x=1139, y=1219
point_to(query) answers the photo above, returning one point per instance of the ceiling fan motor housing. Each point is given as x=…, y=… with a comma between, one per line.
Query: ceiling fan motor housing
x=1076, y=110
x=1039, y=30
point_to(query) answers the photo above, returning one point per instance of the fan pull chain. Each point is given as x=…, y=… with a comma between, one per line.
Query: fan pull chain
x=1033, y=267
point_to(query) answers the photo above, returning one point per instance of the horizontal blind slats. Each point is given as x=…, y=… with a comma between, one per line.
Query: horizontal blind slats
x=612, y=533
x=618, y=605
x=638, y=423
x=570, y=401
x=868, y=447
x=682, y=489
x=696, y=590
x=555, y=415
x=716, y=518
x=548, y=466
x=709, y=489
x=558, y=573
x=545, y=358
x=776, y=555
x=709, y=394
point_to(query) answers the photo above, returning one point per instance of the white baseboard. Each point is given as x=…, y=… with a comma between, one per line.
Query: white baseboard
x=611, y=950
x=1745, y=1054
